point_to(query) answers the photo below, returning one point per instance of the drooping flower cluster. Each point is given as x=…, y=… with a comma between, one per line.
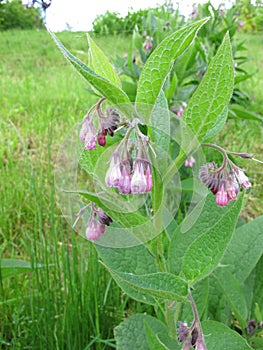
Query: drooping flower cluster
x=106, y=125
x=96, y=224
x=225, y=181
x=127, y=174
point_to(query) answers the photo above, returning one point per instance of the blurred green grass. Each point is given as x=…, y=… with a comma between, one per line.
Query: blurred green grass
x=73, y=304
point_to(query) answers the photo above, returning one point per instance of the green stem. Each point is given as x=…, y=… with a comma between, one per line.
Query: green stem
x=222, y=151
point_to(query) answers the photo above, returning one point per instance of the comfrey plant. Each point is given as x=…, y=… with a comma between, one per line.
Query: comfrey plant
x=194, y=270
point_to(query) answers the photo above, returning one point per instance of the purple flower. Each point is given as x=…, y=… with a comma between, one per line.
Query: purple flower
x=189, y=162
x=138, y=182
x=94, y=229
x=194, y=13
x=209, y=176
x=113, y=175
x=125, y=181
x=148, y=177
x=87, y=134
x=222, y=198
x=180, y=112
x=242, y=178
x=107, y=122
x=148, y=43
x=96, y=224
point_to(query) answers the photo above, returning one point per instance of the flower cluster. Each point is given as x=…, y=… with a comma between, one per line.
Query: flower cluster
x=225, y=181
x=189, y=162
x=96, y=224
x=107, y=124
x=125, y=173
x=148, y=43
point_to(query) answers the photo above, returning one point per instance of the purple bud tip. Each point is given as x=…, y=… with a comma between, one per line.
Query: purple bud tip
x=101, y=139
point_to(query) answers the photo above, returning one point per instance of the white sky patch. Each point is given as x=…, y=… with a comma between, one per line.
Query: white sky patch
x=79, y=14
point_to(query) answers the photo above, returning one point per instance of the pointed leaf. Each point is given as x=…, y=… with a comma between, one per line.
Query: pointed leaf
x=107, y=89
x=234, y=293
x=245, y=249
x=213, y=93
x=160, y=62
x=206, y=251
x=99, y=62
x=210, y=215
x=137, y=260
x=152, y=339
x=159, y=285
x=12, y=267
x=131, y=335
x=220, y=337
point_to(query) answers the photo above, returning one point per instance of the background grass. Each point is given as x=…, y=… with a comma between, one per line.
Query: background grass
x=72, y=303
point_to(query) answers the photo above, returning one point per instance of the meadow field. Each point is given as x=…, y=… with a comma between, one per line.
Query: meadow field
x=71, y=301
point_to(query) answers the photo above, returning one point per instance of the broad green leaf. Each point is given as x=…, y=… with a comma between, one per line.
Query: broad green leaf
x=210, y=215
x=13, y=267
x=135, y=260
x=133, y=292
x=258, y=285
x=218, y=307
x=220, y=337
x=245, y=249
x=159, y=64
x=107, y=89
x=234, y=293
x=131, y=333
x=158, y=285
x=207, y=250
x=100, y=63
x=219, y=124
x=213, y=93
x=152, y=339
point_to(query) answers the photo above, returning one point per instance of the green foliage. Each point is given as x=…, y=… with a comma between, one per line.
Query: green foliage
x=154, y=20
x=12, y=267
x=72, y=301
x=13, y=15
x=199, y=248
